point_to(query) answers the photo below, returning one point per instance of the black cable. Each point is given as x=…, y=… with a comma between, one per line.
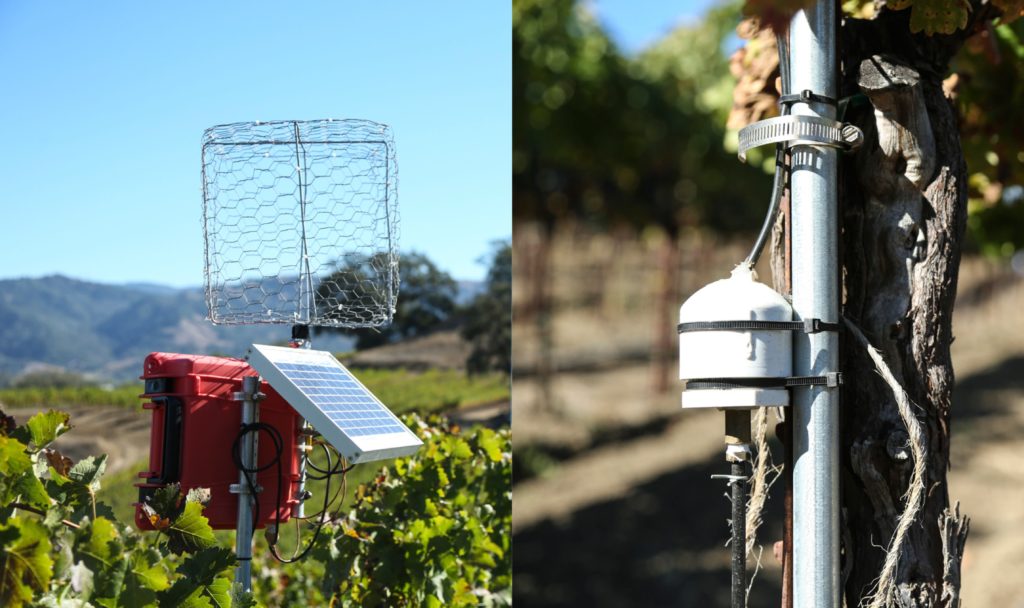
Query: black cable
x=739, y=535
x=236, y=456
x=337, y=468
x=328, y=473
x=778, y=183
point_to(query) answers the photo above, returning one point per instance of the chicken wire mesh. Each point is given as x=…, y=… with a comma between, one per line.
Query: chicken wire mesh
x=300, y=220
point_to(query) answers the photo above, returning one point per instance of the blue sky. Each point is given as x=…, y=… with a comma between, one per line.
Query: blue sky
x=635, y=24
x=105, y=103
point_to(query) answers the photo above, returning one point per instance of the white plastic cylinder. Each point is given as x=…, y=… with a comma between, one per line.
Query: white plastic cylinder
x=735, y=353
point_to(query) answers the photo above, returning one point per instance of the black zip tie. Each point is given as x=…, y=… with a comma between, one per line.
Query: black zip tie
x=805, y=96
x=829, y=380
x=808, y=326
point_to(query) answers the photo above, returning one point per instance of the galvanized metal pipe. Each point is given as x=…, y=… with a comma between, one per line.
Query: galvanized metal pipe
x=249, y=447
x=815, y=280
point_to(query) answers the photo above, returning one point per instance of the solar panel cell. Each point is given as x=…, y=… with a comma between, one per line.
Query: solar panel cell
x=344, y=411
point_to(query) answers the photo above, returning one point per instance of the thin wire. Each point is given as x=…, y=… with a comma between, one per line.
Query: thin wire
x=339, y=468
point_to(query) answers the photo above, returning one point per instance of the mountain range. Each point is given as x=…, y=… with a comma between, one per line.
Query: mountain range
x=104, y=331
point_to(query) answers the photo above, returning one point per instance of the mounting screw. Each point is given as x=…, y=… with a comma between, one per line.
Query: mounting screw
x=853, y=137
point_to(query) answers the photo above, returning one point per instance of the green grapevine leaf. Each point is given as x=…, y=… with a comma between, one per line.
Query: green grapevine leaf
x=207, y=563
x=145, y=576
x=44, y=427
x=490, y=444
x=87, y=472
x=30, y=490
x=190, y=532
x=461, y=450
x=100, y=548
x=24, y=561
x=13, y=458
x=202, y=583
x=938, y=16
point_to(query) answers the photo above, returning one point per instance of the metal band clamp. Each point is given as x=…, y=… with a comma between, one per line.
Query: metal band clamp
x=798, y=131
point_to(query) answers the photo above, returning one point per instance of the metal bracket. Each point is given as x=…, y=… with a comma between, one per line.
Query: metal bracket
x=730, y=479
x=798, y=131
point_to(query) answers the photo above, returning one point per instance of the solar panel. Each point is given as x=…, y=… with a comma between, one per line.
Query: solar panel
x=338, y=406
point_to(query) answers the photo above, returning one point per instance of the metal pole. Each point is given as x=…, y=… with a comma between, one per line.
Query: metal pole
x=304, y=447
x=815, y=295
x=737, y=453
x=249, y=449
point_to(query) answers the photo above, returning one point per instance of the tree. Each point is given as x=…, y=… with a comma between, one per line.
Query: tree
x=612, y=142
x=426, y=300
x=488, y=325
x=904, y=198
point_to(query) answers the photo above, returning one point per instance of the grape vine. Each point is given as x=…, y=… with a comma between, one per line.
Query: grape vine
x=430, y=530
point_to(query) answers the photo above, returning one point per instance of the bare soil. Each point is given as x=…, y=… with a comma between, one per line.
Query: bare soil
x=121, y=433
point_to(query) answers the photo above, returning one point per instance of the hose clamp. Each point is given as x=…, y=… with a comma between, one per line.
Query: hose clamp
x=799, y=131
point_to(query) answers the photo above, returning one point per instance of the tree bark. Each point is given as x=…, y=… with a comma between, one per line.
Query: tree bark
x=904, y=213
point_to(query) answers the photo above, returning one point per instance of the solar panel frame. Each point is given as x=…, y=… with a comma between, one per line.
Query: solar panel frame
x=335, y=402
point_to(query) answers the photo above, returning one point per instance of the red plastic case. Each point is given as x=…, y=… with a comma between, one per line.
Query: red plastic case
x=195, y=422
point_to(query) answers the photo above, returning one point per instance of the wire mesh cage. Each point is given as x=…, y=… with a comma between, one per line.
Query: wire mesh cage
x=300, y=220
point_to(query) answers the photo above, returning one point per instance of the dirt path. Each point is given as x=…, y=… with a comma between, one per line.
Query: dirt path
x=639, y=522
x=121, y=433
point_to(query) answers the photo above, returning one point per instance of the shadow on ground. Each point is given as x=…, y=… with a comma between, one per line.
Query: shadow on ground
x=989, y=395
x=662, y=545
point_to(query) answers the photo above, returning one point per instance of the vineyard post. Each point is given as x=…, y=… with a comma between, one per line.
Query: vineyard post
x=815, y=409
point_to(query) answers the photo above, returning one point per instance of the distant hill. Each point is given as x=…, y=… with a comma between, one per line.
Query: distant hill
x=105, y=331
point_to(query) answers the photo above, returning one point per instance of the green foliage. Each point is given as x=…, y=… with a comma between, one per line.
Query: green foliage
x=426, y=300
x=614, y=140
x=433, y=390
x=990, y=93
x=40, y=397
x=988, y=87
x=488, y=324
x=44, y=427
x=204, y=582
x=432, y=530
x=25, y=561
x=59, y=545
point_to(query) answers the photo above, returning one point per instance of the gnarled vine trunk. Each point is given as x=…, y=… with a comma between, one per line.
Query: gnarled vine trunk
x=904, y=210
